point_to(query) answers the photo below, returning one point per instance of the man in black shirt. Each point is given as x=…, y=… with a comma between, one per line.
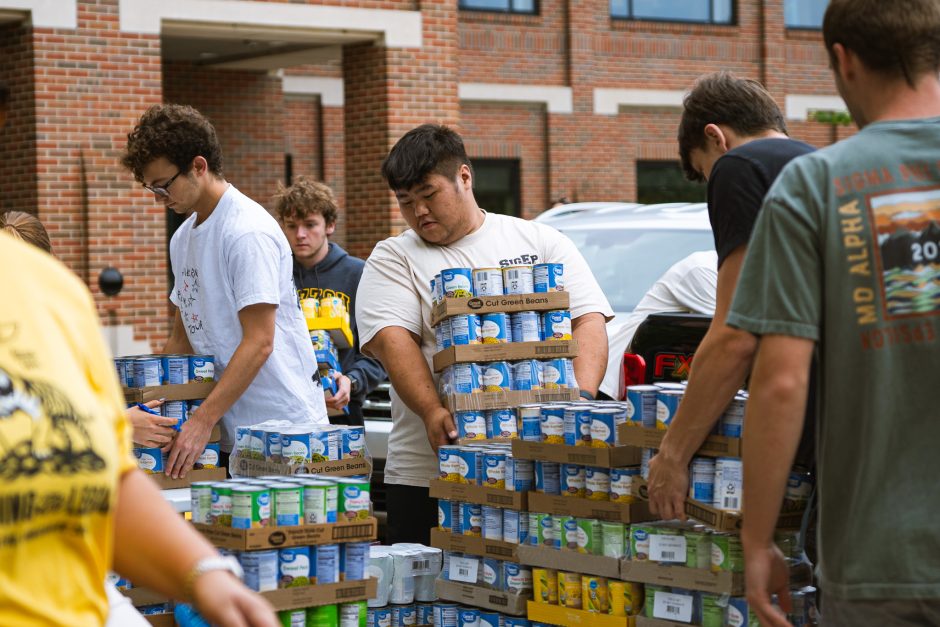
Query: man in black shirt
x=733, y=135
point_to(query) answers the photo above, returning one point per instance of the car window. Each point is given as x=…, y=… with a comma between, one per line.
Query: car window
x=627, y=262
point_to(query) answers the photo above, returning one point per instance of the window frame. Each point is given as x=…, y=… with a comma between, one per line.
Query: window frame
x=536, y=9
x=733, y=21
x=811, y=29
x=514, y=165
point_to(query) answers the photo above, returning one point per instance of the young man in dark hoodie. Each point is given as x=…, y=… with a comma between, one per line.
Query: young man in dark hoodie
x=307, y=212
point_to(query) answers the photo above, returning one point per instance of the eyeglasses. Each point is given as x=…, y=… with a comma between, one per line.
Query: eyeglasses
x=162, y=190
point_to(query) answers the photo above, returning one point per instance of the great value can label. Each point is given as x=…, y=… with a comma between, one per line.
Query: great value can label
x=471, y=519
x=445, y=520
x=457, y=282
x=450, y=464
x=530, y=423
x=210, y=456
x=547, y=477
x=597, y=483
x=556, y=325
x=354, y=500
x=501, y=423
x=471, y=425
x=553, y=424
x=572, y=480
x=354, y=442
x=603, y=427
x=555, y=373
x=150, y=460
x=494, y=470
x=527, y=375
x=621, y=484
x=518, y=280
x=548, y=277
x=202, y=368
x=294, y=567
x=496, y=328
x=488, y=282
x=526, y=326
x=496, y=377
x=518, y=577
x=492, y=523
x=577, y=426
x=465, y=329
x=667, y=403
x=175, y=369
x=520, y=474
x=641, y=405
x=731, y=424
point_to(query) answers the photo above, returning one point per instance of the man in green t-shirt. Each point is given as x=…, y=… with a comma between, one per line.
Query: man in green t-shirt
x=844, y=260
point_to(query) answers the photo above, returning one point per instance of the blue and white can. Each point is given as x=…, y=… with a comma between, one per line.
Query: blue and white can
x=515, y=621
x=518, y=280
x=497, y=328
x=489, y=618
x=517, y=578
x=556, y=325
x=604, y=427
x=731, y=424
x=702, y=480
x=445, y=515
x=125, y=375
x=520, y=474
x=553, y=424
x=354, y=556
x=295, y=568
x=425, y=613
x=404, y=615
x=444, y=614
x=729, y=484
x=150, y=460
x=526, y=326
x=178, y=410
x=175, y=369
x=515, y=526
x=468, y=617
x=496, y=377
x=621, y=484
x=577, y=425
x=465, y=329
x=487, y=282
x=443, y=335
x=272, y=445
x=471, y=425
x=201, y=368
x=210, y=458
x=641, y=405
x=555, y=374
x=530, y=422
x=457, y=282
x=438, y=286
x=667, y=404
x=147, y=372
x=261, y=569
x=548, y=477
x=502, y=423
x=467, y=378
x=597, y=483
x=471, y=519
x=571, y=478
x=494, y=469
x=327, y=560
x=354, y=442
x=527, y=375
x=548, y=277
x=379, y=617
x=492, y=523
x=433, y=289
x=471, y=466
x=493, y=576
x=325, y=445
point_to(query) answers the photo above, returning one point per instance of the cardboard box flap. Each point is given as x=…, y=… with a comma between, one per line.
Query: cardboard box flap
x=682, y=577
x=585, y=508
x=482, y=547
x=478, y=596
x=572, y=561
x=477, y=494
x=245, y=467
x=512, y=351
x=322, y=594
x=203, y=474
x=280, y=537
x=177, y=392
x=547, y=301
x=615, y=457
x=714, y=445
x=557, y=615
x=482, y=401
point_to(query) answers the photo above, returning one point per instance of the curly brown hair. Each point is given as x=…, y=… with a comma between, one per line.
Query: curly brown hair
x=177, y=132
x=304, y=197
x=27, y=227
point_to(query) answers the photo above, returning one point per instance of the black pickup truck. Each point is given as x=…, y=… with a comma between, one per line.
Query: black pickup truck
x=662, y=348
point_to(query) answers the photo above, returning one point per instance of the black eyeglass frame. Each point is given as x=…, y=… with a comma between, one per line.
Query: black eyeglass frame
x=162, y=190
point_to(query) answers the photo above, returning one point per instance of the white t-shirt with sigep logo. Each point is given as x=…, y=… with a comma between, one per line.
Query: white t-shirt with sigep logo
x=395, y=290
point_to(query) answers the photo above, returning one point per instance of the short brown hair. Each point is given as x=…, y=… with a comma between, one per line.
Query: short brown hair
x=27, y=227
x=722, y=98
x=178, y=133
x=304, y=197
x=898, y=39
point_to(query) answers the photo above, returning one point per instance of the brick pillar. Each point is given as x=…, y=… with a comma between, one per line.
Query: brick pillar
x=18, y=138
x=389, y=91
x=773, y=47
x=96, y=214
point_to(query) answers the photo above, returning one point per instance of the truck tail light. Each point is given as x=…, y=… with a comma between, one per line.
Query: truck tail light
x=633, y=372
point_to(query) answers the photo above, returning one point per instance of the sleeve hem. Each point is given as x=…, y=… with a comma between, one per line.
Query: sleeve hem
x=773, y=327
x=365, y=338
x=256, y=299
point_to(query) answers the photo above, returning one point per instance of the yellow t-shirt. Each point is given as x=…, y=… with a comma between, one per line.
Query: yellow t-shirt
x=64, y=442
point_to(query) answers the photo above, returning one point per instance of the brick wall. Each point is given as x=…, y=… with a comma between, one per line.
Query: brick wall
x=18, y=139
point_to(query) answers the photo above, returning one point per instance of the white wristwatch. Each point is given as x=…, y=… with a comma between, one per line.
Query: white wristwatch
x=208, y=564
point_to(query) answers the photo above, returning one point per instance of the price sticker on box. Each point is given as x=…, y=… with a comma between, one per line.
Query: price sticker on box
x=463, y=569
x=669, y=606
x=667, y=548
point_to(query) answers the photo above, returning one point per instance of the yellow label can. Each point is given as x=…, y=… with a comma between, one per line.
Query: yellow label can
x=596, y=594
x=545, y=585
x=569, y=590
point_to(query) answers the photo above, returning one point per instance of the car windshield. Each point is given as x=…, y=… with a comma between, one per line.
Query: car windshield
x=627, y=262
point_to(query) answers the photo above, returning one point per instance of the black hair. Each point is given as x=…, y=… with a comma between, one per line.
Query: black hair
x=427, y=149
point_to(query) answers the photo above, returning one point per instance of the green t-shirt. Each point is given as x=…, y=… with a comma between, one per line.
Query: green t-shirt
x=845, y=252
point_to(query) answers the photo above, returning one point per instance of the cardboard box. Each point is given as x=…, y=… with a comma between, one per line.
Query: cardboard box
x=281, y=537
x=643, y=621
x=615, y=457
x=481, y=401
x=203, y=474
x=571, y=561
x=512, y=351
x=144, y=596
x=179, y=392
x=478, y=596
x=495, y=549
x=322, y=594
x=557, y=615
x=338, y=328
x=585, y=508
x=245, y=467
x=478, y=494
x=161, y=620
x=714, y=445
x=682, y=577
x=547, y=301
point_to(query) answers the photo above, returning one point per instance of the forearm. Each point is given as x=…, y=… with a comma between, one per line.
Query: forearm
x=773, y=424
x=590, y=330
x=244, y=366
x=153, y=546
x=407, y=369
x=719, y=369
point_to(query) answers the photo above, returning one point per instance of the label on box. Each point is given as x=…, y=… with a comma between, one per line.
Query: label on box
x=669, y=606
x=667, y=548
x=464, y=569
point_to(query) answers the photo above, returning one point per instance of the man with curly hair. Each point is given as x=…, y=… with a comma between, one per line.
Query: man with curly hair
x=233, y=292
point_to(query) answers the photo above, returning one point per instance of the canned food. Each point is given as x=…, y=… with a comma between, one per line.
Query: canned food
x=731, y=424
x=471, y=425
x=517, y=577
x=526, y=326
x=243, y=440
x=645, y=456
x=310, y=308
x=494, y=470
x=520, y=474
x=556, y=325
x=440, y=339
x=465, y=329
x=382, y=617
x=667, y=403
x=354, y=500
x=530, y=422
x=799, y=489
x=569, y=533
x=445, y=519
x=468, y=617
x=552, y=425
x=295, y=445
x=492, y=523
x=147, y=372
x=547, y=477
x=497, y=328
x=729, y=484
x=438, y=288
x=221, y=507
x=544, y=533
x=569, y=590
x=332, y=307
x=354, y=442
x=603, y=427
x=353, y=614
x=571, y=477
x=251, y=507
x=353, y=559
x=175, y=369
x=457, y=282
x=527, y=375
x=444, y=614
x=515, y=527
x=493, y=575
x=210, y=457
x=590, y=536
x=260, y=569
x=595, y=594
x=293, y=618
x=698, y=549
x=626, y=598
x=496, y=377
x=316, y=503
x=272, y=446
x=201, y=368
x=327, y=563
x=727, y=554
x=294, y=567
x=467, y=378
x=548, y=277
x=150, y=460
x=489, y=618
x=502, y=423
x=288, y=503
x=518, y=280
x=621, y=484
x=740, y=613
x=471, y=517
x=120, y=365
x=702, y=479
x=597, y=483
x=449, y=463
x=200, y=494
x=640, y=540
x=577, y=425
x=324, y=446
x=545, y=585
x=613, y=536
x=555, y=374
x=425, y=614
x=641, y=405
x=487, y=282
x=471, y=468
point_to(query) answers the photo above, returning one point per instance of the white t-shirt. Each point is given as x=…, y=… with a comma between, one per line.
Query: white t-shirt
x=395, y=291
x=688, y=286
x=236, y=258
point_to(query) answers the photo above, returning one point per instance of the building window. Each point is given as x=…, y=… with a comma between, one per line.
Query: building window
x=804, y=13
x=702, y=11
x=496, y=185
x=662, y=181
x=527, y=7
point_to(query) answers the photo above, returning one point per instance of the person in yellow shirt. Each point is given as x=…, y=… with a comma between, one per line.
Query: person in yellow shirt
x=72, y=502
